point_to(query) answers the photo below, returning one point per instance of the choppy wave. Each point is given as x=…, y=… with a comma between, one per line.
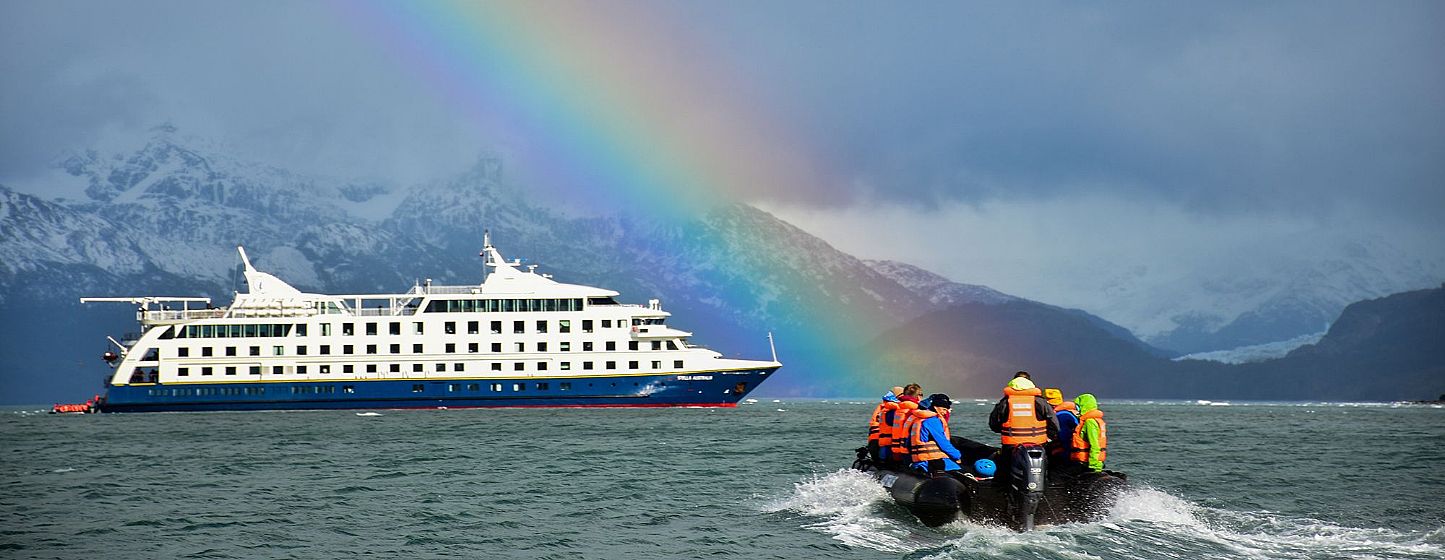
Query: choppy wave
x=1145, y=523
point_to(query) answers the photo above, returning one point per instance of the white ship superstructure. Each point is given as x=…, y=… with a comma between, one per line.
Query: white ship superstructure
x=518, y=338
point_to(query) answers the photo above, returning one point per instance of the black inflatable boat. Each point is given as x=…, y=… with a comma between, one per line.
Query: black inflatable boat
x=1030, y=494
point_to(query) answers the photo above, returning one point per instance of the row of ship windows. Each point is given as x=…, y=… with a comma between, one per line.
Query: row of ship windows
x=372, y=328
x=438, y=367
x=515, y=387
x=449, y=348
x=509, y=305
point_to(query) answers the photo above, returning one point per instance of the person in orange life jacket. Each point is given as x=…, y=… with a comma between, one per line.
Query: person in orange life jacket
x=930, y=448
x=880, y=436
x=1090, y=443
x=1021, y=417
x=1067, y=414
x=899, y=424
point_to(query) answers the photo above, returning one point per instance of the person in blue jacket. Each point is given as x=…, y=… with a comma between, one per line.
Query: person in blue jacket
x=1068, y=416
x=928, y=441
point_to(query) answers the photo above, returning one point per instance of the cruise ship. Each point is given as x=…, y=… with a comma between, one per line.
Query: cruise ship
x=517, y=339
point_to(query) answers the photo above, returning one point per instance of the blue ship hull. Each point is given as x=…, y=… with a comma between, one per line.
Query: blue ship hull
x=718, y=388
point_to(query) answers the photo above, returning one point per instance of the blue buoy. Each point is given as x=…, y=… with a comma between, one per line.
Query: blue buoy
x=984, y=467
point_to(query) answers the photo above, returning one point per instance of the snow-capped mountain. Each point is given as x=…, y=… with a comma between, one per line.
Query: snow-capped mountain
x=1221, y=304
x=165, y=218
x=940, y=291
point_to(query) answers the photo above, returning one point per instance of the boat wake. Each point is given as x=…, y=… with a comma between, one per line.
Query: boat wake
x=1145, y=523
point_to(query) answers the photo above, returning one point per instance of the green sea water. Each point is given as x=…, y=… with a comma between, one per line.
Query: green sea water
x=765, y=480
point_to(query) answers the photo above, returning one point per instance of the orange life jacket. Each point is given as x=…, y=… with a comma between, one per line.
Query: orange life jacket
x=1022, y=426
x=918, y=449
x=1067, y=405
x=899, y=429
x=875, y=433
x=1081, y=446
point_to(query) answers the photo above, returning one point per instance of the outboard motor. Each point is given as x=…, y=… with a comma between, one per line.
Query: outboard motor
x=1030, y=479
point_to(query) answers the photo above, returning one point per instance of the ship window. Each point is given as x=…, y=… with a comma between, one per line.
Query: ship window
x=587, y=325
x=519, y=386
x=611, y=345
x=519, y=327
x=509, y=305
x=473, y=348
x=370, y=348
x=677, y=364
x=607, y=323
x=541, y=366
x=657, y=364
x=587, y=365
x=566, y=366
x=395, y=368
x=183, y=372
x=441, y=367
x=416, y=368
x=493, y=306
x=370, y=368
x=277, y=370
x=611, y=365
x=564, y=326
x=372, y=328
x=206, y=351
x=418, y=327
x=549, y=305
x=564, y=346
x=324, y=368
x=496, y=366
x=496, y=327
x=450, y=327
x=671, y=345
x=541, y=326
x=279, y=351
x=517, y=366
x=326, y=329
x=230, y=350
x=417, y=388
x=348, y=368
x=542, y=386
x=395, y=349
x=348, y=389
x=300, y=350
x=230, y=370
x=451, y=348
x=496, y=347
x=497, y=387
x=474, y=386
x=249, y=331
x=632, y=345
x=300, y=370
x=325, y=349
x=587, y=346
x=565, y=386
x=541, y=347
x=657, y=345
x=254, y=350
x=348, y=329
x=458, y=367
x=521, y=347
x=474, y=327
x=206, y=370
x=453, y=387
x=183, y=352
x=416, y=349
x=301, y=329
x=632, y=364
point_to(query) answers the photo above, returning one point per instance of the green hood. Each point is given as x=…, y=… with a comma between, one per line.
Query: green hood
x=1086, y=403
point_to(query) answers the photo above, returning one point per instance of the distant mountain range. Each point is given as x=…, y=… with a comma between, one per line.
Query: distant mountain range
x=165, y=219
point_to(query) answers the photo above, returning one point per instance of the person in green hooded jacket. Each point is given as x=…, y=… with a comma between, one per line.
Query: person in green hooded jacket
x=1090, y=445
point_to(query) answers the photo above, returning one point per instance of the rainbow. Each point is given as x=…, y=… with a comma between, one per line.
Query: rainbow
x=604, y=104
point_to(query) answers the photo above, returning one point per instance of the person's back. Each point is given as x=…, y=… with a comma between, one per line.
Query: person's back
x=1021, y=417
x=880, y=436
x=902, y=421
x=1066, y=414
x=1090, y=443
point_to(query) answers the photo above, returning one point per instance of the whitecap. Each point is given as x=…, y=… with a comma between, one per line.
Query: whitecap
x=368, y=414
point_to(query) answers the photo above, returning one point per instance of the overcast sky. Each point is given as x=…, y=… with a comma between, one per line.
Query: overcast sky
x=997, y=144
